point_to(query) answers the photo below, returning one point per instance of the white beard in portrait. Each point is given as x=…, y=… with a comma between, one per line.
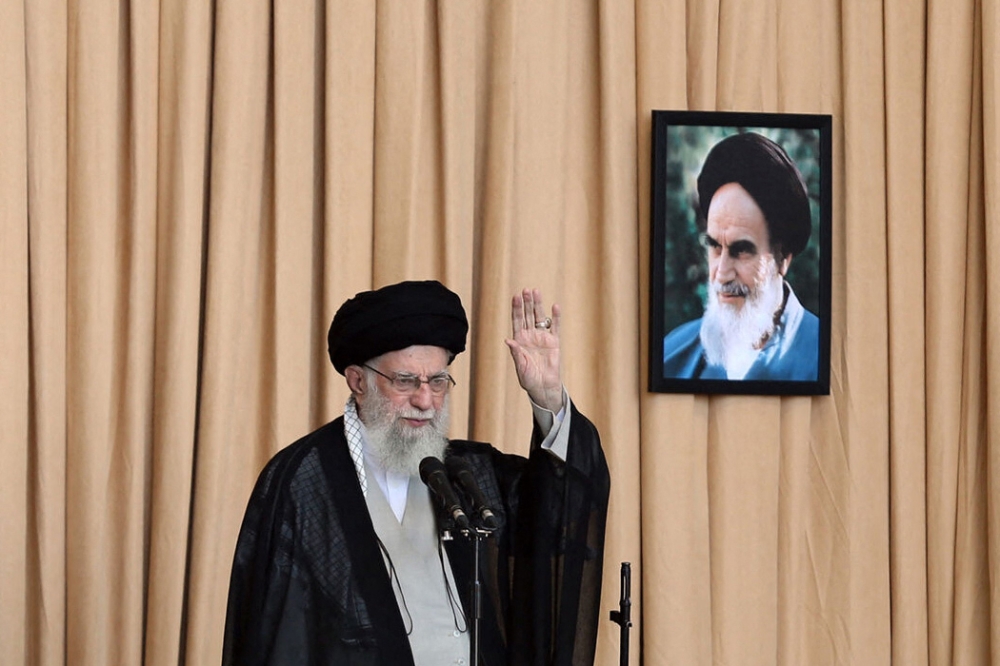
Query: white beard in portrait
x=732, y=335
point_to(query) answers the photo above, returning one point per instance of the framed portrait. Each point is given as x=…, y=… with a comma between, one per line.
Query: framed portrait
x=740, y=253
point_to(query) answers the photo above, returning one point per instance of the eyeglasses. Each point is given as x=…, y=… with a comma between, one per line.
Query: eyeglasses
x=403, y=382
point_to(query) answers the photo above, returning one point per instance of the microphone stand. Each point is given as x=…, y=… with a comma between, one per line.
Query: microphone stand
x=432, y=473
x=476, y=534
x=623, y=616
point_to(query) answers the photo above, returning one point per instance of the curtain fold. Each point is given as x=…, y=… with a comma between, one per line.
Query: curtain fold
x=905, y=154
x=15, y=362
x=190, y=191
x=859, y=349
x=990, y=36
x=182, y=154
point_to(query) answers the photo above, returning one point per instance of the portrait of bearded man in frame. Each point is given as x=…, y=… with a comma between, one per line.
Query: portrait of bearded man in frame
x=743, y=291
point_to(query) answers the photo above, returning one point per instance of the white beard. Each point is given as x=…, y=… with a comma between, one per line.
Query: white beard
x=397, y=447
x=732, y=336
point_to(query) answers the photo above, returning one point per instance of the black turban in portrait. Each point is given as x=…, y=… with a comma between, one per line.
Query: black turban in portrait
x=765, y=171
x=396, y=317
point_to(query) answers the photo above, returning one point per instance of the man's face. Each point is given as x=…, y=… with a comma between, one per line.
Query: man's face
x=740, y=259
x=403, y=427
x=745, y=282
x=422, y=361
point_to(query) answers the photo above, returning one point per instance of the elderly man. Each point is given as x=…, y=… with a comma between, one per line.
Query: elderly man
x=755, y=209
x=339, y=559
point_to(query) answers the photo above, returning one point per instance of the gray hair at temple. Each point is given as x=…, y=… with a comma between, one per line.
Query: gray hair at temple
x=765, y=171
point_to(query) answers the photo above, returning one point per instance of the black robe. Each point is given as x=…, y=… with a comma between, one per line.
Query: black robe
x=309, y=585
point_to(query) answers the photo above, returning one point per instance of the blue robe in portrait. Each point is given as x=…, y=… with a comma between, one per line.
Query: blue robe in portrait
x=791, y=353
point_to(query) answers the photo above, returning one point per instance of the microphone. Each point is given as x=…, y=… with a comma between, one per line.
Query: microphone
x=461, y=473
x=432, y=473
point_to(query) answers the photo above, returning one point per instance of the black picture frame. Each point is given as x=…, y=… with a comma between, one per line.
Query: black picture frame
x=681, y=243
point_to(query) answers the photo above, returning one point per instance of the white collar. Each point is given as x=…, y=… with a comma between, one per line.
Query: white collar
x=354, y=431
x=394, y=486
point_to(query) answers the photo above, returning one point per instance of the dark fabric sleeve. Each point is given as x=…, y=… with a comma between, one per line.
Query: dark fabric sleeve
x=265, y=615
x=558, y=551
x=543, y=565
x=308, y=584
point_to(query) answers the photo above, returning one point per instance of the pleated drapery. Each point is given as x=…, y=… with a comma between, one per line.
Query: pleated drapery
x=190, y=190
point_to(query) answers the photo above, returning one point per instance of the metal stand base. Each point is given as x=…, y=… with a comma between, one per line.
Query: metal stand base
x=623, y=616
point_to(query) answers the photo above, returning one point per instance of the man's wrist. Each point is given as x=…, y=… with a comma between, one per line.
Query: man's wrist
x=549, y=399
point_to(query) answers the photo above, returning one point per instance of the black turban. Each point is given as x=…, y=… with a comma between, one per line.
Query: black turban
x=396, y=317
x=768, y=175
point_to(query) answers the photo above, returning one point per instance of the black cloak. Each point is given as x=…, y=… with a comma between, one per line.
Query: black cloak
x=309, y=585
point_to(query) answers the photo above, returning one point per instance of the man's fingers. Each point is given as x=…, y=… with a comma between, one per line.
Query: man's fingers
x=527, y=311
x=516, y=314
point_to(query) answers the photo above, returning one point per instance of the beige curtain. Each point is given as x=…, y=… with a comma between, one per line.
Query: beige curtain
x=190, y=190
